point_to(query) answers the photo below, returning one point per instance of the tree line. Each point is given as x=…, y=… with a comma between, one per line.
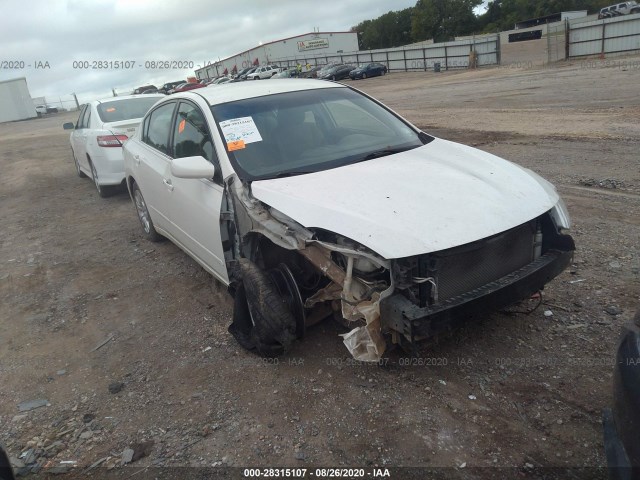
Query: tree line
x=443, y=20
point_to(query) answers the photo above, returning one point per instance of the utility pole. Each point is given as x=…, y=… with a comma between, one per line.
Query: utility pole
x=76, y=99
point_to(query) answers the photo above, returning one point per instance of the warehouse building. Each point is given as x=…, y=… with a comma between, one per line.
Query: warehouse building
x=15, y=100
x=288, y=51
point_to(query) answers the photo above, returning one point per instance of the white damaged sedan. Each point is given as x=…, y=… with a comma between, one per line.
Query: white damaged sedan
x=310, y=199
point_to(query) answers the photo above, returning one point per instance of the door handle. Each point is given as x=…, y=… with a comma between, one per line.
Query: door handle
x=168, y=183
x=137, y=160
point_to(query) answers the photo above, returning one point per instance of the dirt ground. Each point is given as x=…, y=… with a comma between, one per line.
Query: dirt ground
x=504, y=396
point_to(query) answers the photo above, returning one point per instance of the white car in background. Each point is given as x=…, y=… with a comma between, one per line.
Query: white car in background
x=98, y=135
x=310, y=200
x=262, y=73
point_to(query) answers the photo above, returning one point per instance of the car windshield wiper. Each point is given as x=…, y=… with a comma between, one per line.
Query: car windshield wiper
x=384, y=153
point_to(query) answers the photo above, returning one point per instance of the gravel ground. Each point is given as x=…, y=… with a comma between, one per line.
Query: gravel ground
x=126, y=342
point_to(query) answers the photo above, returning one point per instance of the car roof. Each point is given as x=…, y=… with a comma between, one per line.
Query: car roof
x=126, y=97
x=241, y=90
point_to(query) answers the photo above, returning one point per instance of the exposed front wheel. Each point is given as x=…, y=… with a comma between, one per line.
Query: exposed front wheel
x=364, y=76
x=148, y=229
x=263, y=320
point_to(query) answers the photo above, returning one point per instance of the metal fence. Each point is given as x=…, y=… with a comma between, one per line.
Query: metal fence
x=557, y=42
x=602, y=37
x=449, y=55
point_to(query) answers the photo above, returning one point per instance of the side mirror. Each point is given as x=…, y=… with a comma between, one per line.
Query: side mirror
x=68, y=126
x=192, y=167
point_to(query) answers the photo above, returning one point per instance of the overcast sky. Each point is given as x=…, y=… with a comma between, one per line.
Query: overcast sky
x=59, y=32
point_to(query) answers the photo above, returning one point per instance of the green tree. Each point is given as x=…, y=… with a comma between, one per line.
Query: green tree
x=389, y=30
x=442, y=20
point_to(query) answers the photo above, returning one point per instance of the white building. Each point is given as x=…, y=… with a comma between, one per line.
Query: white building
x=307, y=48
x=15, y=100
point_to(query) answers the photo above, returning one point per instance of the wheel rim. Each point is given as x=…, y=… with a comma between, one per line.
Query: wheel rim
x=94, y=175
x=288, y=289
x=364, y=75
x=143, y=213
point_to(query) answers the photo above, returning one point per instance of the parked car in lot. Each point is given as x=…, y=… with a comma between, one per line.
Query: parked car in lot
x=97, y=137
x=337, y=72
x=248, y=72
x=310, y=199
x=220, y=80
x=185, y=87
x=42, y=109
x=244, y=71
x=368, y=70
x=172, y=90
x=262, y=73
x=287, y=73
x=312, y=72
x=622, y=421
x=169, y=86
x=144, y=88
x=623, y=8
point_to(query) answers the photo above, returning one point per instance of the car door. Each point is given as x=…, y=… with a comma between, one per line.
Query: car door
x=79, y=149
x=152, y=163
x=196, y=203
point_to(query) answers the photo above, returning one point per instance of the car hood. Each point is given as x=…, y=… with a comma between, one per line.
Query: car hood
x=431, y=198
x=358, y=70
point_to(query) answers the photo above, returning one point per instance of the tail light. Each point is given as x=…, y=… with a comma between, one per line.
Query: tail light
x=111, y=140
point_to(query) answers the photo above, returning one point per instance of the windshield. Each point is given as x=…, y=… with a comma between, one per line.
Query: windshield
x=119, y=110
x=308, y=131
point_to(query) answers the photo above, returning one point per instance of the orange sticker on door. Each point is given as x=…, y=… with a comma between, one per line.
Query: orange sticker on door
x=181, y=126
x=237, y=145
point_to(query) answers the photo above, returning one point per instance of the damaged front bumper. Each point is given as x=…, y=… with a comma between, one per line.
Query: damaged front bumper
x=398, y=314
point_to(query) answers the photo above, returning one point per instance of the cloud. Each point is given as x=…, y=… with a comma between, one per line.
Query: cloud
x=63, y=33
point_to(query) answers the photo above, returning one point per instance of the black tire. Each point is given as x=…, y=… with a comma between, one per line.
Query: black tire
x=103, y=190
x=333, y=78
x=148, y=230
x=384, y=72
x=80, y=173
x=262, y=320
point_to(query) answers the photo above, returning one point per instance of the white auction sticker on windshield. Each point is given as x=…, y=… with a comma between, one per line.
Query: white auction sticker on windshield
x=240, y=130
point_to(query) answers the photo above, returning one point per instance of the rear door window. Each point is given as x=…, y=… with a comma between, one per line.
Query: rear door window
x=160, y=127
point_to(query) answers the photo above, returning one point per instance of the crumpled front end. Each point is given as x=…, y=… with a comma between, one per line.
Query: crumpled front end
x=403, y=300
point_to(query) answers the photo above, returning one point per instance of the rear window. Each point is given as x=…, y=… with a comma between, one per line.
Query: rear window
x=120, y=110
